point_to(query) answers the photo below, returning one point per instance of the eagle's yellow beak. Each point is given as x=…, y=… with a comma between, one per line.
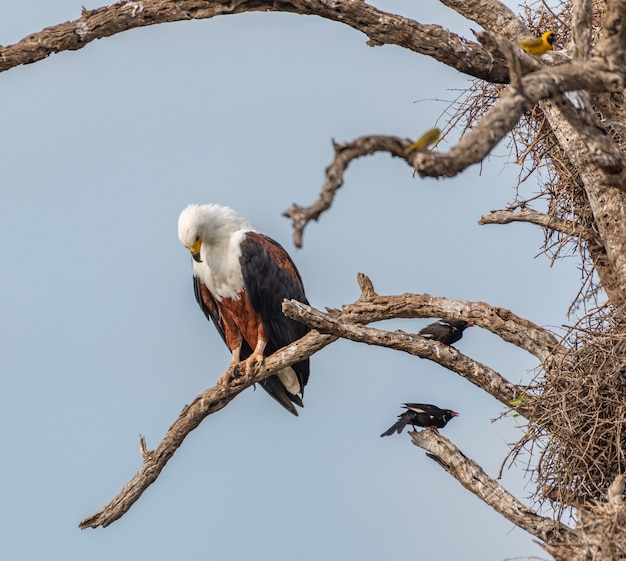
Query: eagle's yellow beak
x=195, y=250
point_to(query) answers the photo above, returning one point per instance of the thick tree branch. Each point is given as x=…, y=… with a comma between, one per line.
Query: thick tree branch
x=477, y=373
x=191, y=416
x=381, y=27
x=608, y=206
x=505, y=324
x=469, y=474
x=542, y=84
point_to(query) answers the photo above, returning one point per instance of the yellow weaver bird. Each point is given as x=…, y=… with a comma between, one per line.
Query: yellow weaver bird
x=538, y=45
x=425, y=141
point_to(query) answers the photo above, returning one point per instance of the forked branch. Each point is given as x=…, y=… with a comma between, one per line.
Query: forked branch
x=500, y=321
x=477, y=373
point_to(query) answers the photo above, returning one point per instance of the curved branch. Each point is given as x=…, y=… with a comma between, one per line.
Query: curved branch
x=469, y=474
x=208, y=402
x=344, y=154
x=381, y=27
x=592, y=76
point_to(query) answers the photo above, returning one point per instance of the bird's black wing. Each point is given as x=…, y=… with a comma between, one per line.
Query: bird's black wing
x=421, y=407
x=270, y=276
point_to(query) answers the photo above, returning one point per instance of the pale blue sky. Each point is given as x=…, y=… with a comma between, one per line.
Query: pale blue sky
x=102, y=339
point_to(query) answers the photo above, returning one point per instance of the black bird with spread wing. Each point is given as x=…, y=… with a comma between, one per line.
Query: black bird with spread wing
x=446, y=331
x=421, y=415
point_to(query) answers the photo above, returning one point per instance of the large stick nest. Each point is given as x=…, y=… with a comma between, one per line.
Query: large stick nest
x=579, y=414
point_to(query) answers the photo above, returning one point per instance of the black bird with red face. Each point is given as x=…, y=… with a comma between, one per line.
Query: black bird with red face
x=421, y=415
x=446, y=331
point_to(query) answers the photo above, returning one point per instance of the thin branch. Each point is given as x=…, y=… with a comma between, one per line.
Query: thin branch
x=381, y=27
x=469, y=474
x=534, y=217
x=344, y=154
x=208, y=402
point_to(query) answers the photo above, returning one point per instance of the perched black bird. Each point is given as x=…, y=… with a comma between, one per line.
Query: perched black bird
x=447, y=331
x=421, y=415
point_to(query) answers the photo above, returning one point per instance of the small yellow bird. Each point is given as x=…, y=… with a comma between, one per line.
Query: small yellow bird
x=538, y=45
x=425, y=141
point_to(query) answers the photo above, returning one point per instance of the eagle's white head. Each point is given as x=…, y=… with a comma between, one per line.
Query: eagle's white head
x=213, y=234
x=201, y=227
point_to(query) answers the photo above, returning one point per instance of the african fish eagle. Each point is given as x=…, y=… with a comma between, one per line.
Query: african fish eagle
x=240, y=278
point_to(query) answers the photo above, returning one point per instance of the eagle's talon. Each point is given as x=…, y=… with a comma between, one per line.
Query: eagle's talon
x=226, y=379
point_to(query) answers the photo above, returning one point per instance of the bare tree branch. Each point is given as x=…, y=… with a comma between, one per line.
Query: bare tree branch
x=502, y=322
x=344, y=154
x=369, y=307
x=575, y=106
x=541, y=84
x=382, y=28
x=469, y=474
x=477, y=373
x=501, y=119
x=533, y=217
x=208, y=402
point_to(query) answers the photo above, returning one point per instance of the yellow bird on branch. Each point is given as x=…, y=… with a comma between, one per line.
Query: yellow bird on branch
x=538, y=45
x=424, y=142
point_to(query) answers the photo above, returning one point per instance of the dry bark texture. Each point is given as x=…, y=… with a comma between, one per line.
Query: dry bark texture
x=566, y=118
